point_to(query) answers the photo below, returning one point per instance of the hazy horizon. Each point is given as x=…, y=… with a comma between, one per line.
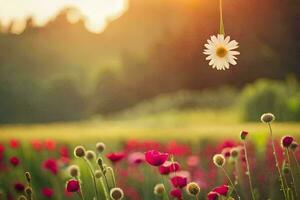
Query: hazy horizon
x=96, y=12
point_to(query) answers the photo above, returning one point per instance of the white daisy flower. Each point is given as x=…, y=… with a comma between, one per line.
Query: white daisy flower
x=221, y=52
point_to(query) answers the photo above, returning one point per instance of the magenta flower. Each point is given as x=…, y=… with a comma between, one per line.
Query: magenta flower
x=174, y=167
x=14, y=161
x=51, y=165
x=73, y=186
x=156, y=158
x=176, y=193
x=179, y=181
x=164, y=170
x=286, y=141
x=115, y=157
x=212, y=196
x=221, y=190
x=19, y=187
x=47, y=192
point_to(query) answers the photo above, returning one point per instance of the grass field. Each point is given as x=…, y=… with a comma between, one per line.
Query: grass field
x=182, y=125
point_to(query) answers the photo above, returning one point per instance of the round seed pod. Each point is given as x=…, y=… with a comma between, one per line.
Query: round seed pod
x=219, y=160
x=90, y=155
x=116, y=193
x=100, y=146
x=267, y=118
x=193, y=189
x=79, y=151
x=159, y=189
x=98, y=174
x=74, y=170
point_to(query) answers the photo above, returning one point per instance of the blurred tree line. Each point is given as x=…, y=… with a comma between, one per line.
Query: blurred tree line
x=63, y=72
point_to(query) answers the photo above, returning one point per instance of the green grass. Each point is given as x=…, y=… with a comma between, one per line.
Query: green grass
x=182, y=125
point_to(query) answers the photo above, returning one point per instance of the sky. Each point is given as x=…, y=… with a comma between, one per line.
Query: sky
x=96, y=12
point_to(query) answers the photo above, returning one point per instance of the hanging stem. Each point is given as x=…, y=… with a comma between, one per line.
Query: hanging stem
x=222, y=29
x=276, y=163
x=248, y=172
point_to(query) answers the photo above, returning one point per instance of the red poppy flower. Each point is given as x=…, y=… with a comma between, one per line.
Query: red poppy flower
x=179, y=181
x=14, y=161
x=174, y=167
x=2, y=148
x=176, y=193
x=73, y=185
x=221, y=190
x=212, y=196
x=50, y=145
x=47, y=192
x=64, y=151
x=14, y=143
x=115, y=157
x=51, y=165
x=156, y=158
x=19, y=187
x=37, y=145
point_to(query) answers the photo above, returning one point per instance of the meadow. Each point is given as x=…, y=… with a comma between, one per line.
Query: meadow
x=191, y=138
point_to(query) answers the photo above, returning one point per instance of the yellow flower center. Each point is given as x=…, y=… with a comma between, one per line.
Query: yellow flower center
x=221, y=52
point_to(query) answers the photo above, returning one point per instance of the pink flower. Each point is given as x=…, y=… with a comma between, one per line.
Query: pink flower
x=221, y=190
x=47, y=192
x=179, y=181
x=192, y=161
x=19, y=187
x=136, y=158
x=51, y=165
x=174, y=167
x=286, y=141
x=64, y=151
x=14, y=143
x=14, y=161
x=212, y=196
x=73, y=185
x=176, y=193
x=156, y=158
x=164, y=169
x=115, y=157
x=169, y=167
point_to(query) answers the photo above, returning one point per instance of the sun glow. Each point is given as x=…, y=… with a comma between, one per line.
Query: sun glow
x=97, y=13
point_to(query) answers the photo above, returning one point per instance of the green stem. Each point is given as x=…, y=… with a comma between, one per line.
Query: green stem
x=276, y=162
x=166, y=196
x=292, y=174
x=231, y=183
x=222, y=29
x=93, y=176
x=111, y=171
x=248, y=171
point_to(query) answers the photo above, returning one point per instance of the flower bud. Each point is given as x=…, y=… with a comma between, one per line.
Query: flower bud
x=90, y=155
x=74, y=170
x=219, y=160
x=193, y=189
x=244, y=135
x=28, y=191
x=79, y=151
x=28, y=177
x=159, y=189
x=267, y=118
x=100, y=162
x=100, y=146
x=234, y=152
x=116, y=193
x=98, y=174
